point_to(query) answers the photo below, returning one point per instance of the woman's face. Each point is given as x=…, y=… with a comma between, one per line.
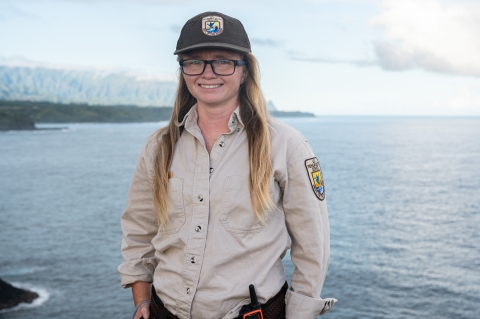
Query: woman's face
x=210, y=89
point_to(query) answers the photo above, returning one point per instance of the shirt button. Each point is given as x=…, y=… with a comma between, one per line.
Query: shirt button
x=200, y=198
x=198, y=229
x=238, y=129
x=222, y=144
x=211, y=169
x=188, y=291
x=193, y=260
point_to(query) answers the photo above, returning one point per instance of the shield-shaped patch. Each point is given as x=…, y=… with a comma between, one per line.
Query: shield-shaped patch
x=316, y=177
x=212, y=25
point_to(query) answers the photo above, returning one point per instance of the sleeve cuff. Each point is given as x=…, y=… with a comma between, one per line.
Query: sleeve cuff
x=303, y=307
x=137, y=270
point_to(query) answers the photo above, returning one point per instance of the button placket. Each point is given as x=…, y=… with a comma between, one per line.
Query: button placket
x=197, y=234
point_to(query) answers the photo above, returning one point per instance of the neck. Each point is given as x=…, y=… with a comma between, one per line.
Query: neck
x=215, y=118
x=213, y=122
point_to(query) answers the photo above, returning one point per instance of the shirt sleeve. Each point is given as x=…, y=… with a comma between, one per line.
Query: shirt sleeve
x=307, y=223
x=139, y=226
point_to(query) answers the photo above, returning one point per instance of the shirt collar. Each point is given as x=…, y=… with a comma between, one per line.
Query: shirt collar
x=191, y=118
x=235, y=119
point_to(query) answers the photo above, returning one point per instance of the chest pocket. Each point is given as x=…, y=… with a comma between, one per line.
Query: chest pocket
x=176, y=207
x=237, y=214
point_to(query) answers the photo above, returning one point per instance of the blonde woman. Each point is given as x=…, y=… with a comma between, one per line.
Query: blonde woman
x=221, y=193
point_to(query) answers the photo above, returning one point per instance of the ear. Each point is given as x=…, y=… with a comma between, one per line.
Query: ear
x=244, y=75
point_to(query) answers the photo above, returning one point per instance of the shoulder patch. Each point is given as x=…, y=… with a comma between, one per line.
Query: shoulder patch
x=316, y=178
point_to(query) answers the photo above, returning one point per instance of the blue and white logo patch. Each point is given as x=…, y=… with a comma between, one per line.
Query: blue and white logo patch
x=212, y=25
x=316, y=177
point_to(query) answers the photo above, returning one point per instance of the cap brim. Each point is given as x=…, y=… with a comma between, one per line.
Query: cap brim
x=214, y=45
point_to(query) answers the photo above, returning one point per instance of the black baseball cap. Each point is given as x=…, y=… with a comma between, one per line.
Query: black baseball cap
x=213, y=30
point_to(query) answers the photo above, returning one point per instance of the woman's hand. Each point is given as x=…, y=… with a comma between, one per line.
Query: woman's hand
x=143, y=310
x=141, y=298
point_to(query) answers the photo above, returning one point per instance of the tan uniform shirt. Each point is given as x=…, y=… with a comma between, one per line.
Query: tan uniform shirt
x=214, y=246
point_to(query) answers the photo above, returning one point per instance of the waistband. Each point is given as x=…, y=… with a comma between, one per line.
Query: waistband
x=274, y=308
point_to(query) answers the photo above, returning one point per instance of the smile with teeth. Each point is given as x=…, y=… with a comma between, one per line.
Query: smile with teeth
x=211, y=86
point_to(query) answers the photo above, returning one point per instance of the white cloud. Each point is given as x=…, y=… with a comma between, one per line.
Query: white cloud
x=299, y=57
x=466, y=100
x=429, y=34
x=265, y=42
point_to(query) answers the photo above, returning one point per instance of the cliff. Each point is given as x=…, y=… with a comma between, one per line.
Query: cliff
x=21, y=115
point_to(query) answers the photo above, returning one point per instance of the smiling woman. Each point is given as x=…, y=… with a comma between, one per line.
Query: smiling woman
x=219, y=194
x=201, y=72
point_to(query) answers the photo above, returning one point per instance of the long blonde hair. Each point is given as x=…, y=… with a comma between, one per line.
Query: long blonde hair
x=254, y=114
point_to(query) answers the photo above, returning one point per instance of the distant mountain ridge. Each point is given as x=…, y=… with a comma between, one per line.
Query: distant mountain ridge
x=82, y=86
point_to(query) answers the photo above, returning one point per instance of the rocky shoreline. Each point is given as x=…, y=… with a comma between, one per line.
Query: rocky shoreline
x=11, y=296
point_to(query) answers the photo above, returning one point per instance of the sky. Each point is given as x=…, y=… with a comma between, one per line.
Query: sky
x=329, y=57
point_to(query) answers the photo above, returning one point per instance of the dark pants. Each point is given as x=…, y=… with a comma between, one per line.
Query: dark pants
x=280, y=316
x=272, y=309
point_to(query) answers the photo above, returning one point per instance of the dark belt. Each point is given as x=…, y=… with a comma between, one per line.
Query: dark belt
x=157, y=309
x=274, y=308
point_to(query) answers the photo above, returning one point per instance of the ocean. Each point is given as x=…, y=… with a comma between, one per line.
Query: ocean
x=403, y=197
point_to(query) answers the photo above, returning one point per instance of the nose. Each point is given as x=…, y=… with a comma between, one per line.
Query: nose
x=209, y=71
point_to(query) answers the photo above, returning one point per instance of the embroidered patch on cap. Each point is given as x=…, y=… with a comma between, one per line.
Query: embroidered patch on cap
x=316, y=177
x=212, y=25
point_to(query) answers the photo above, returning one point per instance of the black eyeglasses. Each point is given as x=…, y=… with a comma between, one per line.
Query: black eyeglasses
x=219, y=67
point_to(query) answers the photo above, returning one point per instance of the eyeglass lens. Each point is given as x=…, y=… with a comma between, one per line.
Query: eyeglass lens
x=220, y=67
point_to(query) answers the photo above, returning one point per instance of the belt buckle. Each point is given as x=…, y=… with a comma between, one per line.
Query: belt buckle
x=255, y=314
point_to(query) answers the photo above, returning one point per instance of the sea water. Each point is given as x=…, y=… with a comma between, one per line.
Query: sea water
x=403, y=197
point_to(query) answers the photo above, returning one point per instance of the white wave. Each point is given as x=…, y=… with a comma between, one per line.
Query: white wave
x=43, y=296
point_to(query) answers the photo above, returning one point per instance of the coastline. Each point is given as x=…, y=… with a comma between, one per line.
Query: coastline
x=22, y=115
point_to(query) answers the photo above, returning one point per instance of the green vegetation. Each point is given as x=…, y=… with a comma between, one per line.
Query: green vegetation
x=15, y=121
x=21, y=115
x=12, y=112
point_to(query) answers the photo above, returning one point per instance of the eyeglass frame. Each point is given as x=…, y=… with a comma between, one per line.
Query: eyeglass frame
x=205, y=62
